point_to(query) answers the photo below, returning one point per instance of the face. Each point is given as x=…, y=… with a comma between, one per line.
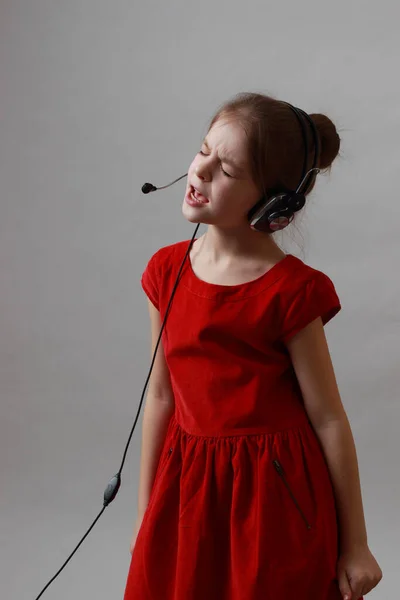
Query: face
x=220, y=179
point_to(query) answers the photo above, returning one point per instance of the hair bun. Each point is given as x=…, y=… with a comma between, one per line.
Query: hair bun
x=330, y=140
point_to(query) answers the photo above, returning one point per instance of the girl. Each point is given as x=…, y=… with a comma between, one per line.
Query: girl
x=249, y=485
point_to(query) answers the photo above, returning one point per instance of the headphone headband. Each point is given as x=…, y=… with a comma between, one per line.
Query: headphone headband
x=301, y=117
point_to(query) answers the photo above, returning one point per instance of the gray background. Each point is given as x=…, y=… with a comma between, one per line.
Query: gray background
x=97, y=98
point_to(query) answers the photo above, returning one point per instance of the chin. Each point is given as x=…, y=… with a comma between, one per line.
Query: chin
x=190, y=214
x=192, y=219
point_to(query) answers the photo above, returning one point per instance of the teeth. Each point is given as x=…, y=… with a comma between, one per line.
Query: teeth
x=196, y=199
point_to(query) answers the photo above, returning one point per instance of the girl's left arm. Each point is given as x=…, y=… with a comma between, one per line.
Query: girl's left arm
x=314, y=371
x=312, y=364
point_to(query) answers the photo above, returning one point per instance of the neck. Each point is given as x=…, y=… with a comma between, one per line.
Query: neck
x=220, y=243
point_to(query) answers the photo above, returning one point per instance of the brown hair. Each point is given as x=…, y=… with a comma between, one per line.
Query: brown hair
x=276, y=147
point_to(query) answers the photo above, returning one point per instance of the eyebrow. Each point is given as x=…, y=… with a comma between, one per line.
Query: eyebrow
x=227, y=160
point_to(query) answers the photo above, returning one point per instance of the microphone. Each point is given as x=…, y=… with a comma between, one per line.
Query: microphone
x=149, y=187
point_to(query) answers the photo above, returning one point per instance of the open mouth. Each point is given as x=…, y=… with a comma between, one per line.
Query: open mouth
x=196, y=196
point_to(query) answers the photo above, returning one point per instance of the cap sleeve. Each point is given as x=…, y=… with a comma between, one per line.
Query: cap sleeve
x=150, y=282
x=317, y=297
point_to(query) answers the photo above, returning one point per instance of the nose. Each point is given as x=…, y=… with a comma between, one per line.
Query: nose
x=201, y=172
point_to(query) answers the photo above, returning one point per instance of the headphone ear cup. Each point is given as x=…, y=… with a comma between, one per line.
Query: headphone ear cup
x=275, y=208
x=274, y=202
x=275, y=213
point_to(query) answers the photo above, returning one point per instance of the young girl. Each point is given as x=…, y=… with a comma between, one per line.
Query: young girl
x=249, y=485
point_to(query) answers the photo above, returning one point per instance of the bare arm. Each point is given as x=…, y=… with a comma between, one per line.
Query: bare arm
x=157, y=413
x=313, y=366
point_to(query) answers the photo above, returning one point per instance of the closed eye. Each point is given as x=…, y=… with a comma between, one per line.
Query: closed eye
x=224, y=172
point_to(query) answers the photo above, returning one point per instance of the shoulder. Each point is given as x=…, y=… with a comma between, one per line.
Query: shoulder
x=166, y=256
x=299, y=275
x=160, y=269
x=305, y=293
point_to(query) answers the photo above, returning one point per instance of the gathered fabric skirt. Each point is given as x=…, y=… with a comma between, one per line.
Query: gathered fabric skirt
x=243, y=517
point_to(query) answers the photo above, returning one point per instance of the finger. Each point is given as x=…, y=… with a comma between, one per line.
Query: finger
x=357, y=589
x=344, y=585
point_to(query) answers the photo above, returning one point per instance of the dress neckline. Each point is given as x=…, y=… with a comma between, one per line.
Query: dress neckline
x=237, y=291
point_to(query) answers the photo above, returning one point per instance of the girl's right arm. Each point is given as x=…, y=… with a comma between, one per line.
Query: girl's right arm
x=158, y=410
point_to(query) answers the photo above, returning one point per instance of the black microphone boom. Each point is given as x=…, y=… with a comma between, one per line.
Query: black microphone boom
x=149, y=187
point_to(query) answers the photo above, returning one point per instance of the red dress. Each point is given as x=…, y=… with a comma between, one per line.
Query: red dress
x=242, y=506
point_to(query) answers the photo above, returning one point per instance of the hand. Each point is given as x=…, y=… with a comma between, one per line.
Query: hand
x=138, y=523
x=358, y=572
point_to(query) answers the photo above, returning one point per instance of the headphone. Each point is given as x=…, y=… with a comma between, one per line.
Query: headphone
x=268, y=215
